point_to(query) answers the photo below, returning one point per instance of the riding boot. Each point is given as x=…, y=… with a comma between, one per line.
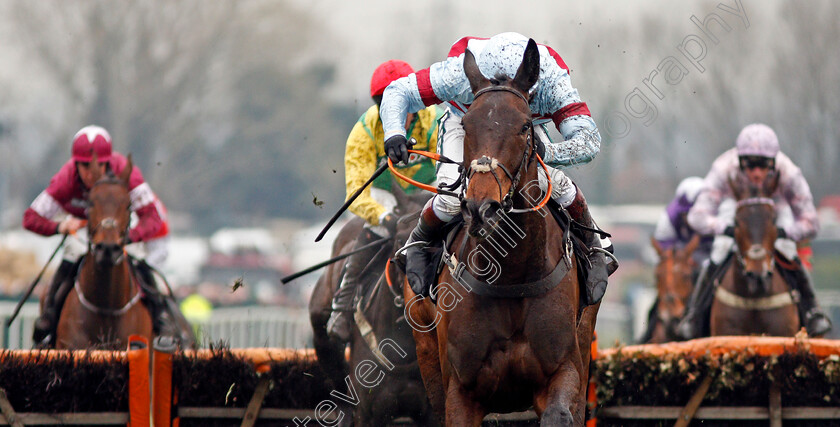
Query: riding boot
x=596, y=278
x=340, y=324
x=44, y=328
x=163, y=321
x=418, y=257
x=815, y=320
x=699, y=304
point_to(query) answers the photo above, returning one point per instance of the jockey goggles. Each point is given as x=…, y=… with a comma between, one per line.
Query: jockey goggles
x=752, y=162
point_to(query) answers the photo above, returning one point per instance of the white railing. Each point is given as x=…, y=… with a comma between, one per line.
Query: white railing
x=257, y=326
x=238, y=327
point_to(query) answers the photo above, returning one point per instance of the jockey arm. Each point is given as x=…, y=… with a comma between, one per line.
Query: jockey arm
x=554, y=99
x=359, y=165
x=703, y=216
x=38, y=218
x=795, y=190
x=665, y=233
x=149, y=221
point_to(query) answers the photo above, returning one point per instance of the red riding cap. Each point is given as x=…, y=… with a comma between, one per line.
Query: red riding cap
x=387, y=72
x=90, y=139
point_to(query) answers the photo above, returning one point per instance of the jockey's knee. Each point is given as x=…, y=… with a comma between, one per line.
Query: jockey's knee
x=74, y=248
x=563, y=190
x=721, y=247
x=446, y=207
x=787, y=248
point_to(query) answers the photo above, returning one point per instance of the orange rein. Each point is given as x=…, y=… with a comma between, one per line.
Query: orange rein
x=436, y=157
x=388, y=273
x=433, y=156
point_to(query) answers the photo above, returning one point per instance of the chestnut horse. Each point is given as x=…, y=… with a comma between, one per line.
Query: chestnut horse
x=674, y=282
x=384, y=356
x=104, y=308
x=752, y=298
x=510, y=333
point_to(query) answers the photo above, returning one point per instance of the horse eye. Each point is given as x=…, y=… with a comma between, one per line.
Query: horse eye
x=525, y=128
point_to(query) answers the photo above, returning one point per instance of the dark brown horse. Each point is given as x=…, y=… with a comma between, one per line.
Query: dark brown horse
x=518, y=337
x=382, y=373
x=674, y=275
x=104, y=308
x=753, y=297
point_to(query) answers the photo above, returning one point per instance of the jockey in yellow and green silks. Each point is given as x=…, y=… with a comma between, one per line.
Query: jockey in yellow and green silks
x=364, y=153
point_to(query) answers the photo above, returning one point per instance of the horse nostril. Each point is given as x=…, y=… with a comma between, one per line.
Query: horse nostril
x=488, y=210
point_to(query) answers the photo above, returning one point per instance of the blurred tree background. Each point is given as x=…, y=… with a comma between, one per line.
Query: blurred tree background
x=237, y=111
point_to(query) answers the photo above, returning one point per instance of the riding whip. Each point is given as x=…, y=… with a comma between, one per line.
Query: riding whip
x=350, y=200
x=291, y=277
x=34, y=283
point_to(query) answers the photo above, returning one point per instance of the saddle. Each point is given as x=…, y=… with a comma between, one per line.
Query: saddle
x=571, y=230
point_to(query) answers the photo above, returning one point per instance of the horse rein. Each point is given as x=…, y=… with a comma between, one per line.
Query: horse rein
x=486, y=164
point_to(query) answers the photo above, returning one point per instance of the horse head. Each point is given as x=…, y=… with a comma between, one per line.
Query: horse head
x=499, y=140
x=755, y=230
x=674, y=282
x=109, y=215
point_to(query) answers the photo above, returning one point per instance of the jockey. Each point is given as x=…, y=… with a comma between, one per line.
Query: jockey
x=672, y=229
x=67, y=193
x=365, y=151
x=756, y=154
x=552, y=99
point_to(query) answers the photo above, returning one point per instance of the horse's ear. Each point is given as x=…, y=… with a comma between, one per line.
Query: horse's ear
x=126, y=172
x=692, y=245
x=656, y=246
x=403, y=200
x=477, y=80
x=529, y=70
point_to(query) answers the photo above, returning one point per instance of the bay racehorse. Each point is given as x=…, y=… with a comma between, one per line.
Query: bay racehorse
x=753, y=297
x=508, y=331
x=104, y=308
x=674, y=283
x=381, y=380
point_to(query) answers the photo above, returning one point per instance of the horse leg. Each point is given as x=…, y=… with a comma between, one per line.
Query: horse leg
x=423, y=314
x=461, y=408
x=330, y=354
x=560, y=403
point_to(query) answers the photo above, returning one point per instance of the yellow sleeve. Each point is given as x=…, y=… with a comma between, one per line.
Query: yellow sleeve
x=359, y=165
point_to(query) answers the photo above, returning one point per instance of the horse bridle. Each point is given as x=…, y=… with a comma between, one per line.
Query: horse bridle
x=753, y=256
x=109, y=222
x=485, y=164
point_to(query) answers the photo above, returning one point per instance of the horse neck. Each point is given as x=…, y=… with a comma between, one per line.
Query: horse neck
x=519, y=245
x=105, y=286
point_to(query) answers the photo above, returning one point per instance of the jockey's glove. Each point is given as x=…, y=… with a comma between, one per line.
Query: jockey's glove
x=781, y=233
x=396, y=147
